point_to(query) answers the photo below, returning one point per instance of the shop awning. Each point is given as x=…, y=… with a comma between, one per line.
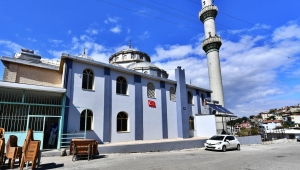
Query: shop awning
x=219, y=108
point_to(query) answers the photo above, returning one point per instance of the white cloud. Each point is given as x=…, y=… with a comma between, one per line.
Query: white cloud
x=11, y=45
x=289, y=31
x=145, y=35
x=112, y=20
x=69, y=32
x=55, y=41
x=56, y=54
x=251, y=70
x=248, y=30
x=171, y=52
x=92, y=31
x=116, y=29
x=31, y=39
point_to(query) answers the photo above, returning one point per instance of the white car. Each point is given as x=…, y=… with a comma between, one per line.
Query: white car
x=222, y=142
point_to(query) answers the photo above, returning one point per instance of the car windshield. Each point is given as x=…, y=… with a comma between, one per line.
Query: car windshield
x=217, y=138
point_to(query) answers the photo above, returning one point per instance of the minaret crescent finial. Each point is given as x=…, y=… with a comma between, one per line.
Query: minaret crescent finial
x=130, y=44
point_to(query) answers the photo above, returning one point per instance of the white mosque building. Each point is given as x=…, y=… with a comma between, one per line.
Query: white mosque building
x=127, y=99
x=130, y=98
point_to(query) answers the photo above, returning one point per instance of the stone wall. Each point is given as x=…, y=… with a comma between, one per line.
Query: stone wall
x=249, y=140
x=18, y=73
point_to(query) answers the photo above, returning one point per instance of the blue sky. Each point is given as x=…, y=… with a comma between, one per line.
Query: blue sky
x=260, y=55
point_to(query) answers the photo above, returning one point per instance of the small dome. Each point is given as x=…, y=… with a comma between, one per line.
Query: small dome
x=141, y=65
x=118, y=65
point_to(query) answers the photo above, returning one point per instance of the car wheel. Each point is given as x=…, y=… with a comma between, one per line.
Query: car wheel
x=238, y=147
x=224, y=148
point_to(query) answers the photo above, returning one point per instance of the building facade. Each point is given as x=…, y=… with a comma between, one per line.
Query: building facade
x=130, y=98
x=126, y=100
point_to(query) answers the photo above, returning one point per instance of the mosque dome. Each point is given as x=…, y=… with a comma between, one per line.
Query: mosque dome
x=141, y=65
x=136, y=60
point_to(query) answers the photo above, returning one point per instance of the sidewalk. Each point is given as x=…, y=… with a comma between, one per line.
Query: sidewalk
x=141, y=146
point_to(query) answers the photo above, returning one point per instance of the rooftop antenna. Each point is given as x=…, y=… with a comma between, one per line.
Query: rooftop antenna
x=130, y=44
x=84, y=53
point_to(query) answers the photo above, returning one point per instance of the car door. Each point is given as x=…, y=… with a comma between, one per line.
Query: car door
x=227, y=142
x=233, y=141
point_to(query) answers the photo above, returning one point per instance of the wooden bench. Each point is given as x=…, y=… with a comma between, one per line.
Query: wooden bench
x=13, y=151
x=83, y=147
x=2, y=144
x=31, y=151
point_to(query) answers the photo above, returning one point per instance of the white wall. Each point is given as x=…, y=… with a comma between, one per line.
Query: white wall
x=92, y=99
x=205, y=125
x=152, y=117
x=123, y=103
x=171, y=114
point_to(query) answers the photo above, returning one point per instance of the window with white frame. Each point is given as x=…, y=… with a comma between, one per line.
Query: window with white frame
x=121, y=87
x=172, y=94
x=86, y=118
x=151, y=90
x=202, y=98
x=87, y=79
x=191, y=123
x=190, y=97
x=122, y=122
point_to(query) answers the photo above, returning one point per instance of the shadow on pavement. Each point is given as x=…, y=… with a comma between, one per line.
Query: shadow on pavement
x=49, y=166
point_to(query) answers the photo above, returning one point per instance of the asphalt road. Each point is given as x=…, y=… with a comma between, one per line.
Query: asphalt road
x=255, y=157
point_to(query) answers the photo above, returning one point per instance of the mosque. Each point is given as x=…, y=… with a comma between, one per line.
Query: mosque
x=127, y=99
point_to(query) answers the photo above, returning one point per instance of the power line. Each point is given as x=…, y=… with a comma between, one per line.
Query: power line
x=149, y=15
x=247, y=22
x=180, y=24
x=172, y=14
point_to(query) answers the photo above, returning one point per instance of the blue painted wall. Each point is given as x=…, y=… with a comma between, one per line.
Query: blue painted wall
x=138, y=108
x=152, y=119
x=164, y=109
x=181, y=104
x=171, y=113
x=170, y=119
x=123, y=103
x=107, y=119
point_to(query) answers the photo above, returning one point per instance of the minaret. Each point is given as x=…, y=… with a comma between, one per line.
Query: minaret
x=211, y=46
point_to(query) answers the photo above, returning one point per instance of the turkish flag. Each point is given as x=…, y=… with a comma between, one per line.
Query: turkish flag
x=151, y=103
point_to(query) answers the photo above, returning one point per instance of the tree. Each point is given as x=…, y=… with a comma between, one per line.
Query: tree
x=251, y=117
x=243, y=132
x=271, y=118
x=245, y=119
x=254, y=131
x=272, y=111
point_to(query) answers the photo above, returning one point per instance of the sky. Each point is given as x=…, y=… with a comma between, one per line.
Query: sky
x=260, y=54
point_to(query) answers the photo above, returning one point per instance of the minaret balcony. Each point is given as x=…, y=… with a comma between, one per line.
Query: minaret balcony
x=210, y=11
x=212, y=44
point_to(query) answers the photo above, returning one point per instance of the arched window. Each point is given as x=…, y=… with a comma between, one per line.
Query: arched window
x=191, y=123
x=87, y=79
x=89, y=119
x=158, y=73
x=190, y=97
x=122, y=122
x=150, y=90
x=121, y=85
x=202, y=98
x=172, y=94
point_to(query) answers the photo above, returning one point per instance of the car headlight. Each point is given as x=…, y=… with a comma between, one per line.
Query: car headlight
x=219, y=143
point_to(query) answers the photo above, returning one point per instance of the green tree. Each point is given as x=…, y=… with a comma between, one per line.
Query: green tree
x=271, y=118
x=272, y=111
x=254, y=131
x=243, y=132
x=251, y=117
